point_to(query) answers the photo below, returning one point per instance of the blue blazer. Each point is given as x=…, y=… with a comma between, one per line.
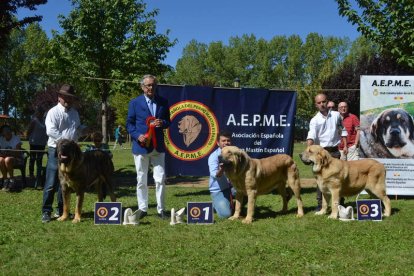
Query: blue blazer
x=138, y=112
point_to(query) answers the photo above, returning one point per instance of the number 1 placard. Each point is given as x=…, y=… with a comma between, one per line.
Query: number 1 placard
x=108, y=212
x=200, y=212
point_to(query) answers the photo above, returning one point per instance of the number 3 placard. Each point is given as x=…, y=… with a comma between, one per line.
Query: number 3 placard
x=108, y=212
x=200, y=212
x=369, y=209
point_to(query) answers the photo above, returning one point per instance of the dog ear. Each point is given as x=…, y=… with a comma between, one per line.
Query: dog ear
x=77, y=149
x=324, y=157
x=242, y=159
x=411, y=126
x=375, y=130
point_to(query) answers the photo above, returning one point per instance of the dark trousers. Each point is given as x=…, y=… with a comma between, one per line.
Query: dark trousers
x=36, y=156
x=335, y=154
x=52, y=184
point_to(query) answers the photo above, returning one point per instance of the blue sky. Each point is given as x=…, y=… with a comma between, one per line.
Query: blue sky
x=218, y=20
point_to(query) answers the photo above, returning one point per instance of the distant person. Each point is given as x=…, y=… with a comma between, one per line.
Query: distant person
x=97, y=139
x=326, y=130
x=144, y=112
x=221, y=191
x=62, y=122
x=118, y=137
x=331, y=105
x=37, y=142
x=10, y=157
x=352, y=125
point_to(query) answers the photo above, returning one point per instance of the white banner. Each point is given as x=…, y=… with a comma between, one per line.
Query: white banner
x=387, y=128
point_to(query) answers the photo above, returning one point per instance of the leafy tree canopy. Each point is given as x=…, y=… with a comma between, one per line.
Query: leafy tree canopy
x=8, y=11
x=387, y=22
x=108, y=39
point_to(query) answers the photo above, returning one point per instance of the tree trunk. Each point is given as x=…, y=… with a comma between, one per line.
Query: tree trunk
x=104, y=111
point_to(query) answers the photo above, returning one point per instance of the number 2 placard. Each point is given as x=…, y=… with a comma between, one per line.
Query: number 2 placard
x=200, y=212
x=108, y=212
x=369, y=209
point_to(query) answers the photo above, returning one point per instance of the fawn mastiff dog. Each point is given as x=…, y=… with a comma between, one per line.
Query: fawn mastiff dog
x=252, y=177
x=338, y=178
x=78, y=172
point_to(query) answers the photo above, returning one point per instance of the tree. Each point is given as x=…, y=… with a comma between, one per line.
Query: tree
x=20, y=62
x=191, y=68
x=8, y=21
x=281, y=63
x=388, y=23
x=109, y=39
x=364, y=58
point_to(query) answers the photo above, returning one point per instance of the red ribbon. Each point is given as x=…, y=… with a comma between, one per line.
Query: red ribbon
x=150, y=135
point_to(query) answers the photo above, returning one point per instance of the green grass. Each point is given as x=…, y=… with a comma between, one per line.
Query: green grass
x=276, y=244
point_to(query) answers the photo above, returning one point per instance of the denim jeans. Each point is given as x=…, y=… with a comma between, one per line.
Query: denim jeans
x=222, y=202
x=52, y=183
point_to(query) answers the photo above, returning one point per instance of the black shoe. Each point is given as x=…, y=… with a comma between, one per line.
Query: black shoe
x=163, y=215
x=46, y=217
x=14, y=187
x=142, y=214
x=318, y=208
x=6, y=186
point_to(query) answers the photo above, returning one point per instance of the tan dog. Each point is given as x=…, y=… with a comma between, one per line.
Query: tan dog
x=78, y=172
x=338, y=178
x=252, y=177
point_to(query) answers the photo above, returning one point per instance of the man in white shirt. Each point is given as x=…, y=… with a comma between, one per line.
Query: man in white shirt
x=62, y=122
x=326, y=130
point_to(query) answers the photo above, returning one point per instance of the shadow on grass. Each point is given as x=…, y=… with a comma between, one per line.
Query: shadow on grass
x=267, y=212
x=184, y=179
x=126, y=178
x=197, y=193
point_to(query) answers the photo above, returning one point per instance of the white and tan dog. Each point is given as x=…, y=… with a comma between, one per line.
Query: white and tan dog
x=337, y=178
x=252, y=177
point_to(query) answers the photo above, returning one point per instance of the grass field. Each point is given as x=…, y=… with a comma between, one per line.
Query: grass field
x=275, y=244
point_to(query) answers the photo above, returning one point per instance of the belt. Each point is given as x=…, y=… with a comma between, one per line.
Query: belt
x=331, y=149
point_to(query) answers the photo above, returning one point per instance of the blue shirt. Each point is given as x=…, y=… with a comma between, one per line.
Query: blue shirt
x=216, y=184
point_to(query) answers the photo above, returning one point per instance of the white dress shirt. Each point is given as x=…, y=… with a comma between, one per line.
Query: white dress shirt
x=326, y=131
x=62, y=124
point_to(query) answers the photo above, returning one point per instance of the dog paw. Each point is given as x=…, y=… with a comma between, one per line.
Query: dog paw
x=62, y=218
x=76, y=220
x=247, y=221
x=233, y=217
x=299, y=215
x=332, y=216
x=320, y=213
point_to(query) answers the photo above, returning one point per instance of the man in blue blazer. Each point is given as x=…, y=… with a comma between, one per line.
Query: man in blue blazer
x=148, y=116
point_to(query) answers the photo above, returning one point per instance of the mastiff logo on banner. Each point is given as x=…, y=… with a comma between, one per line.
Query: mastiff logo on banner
x=260, y=121
x=197, y=127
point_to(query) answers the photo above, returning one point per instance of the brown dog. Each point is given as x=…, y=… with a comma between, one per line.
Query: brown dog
x=338, y=178
x=79, y=171
x=252, y=177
